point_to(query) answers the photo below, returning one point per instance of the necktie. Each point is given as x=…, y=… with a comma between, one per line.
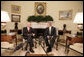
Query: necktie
x=28, y=29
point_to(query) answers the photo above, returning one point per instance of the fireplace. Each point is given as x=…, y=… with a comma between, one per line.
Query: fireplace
x=39, y=32
x=39, y=28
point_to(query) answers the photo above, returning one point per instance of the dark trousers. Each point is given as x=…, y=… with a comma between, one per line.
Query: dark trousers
x=30, y=43
x=50, y=45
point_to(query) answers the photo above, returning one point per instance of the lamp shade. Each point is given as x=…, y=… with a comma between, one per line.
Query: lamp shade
x=78, y=18
x=4, y=16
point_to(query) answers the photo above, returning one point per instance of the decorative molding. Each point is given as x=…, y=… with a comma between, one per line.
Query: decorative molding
x=38, y=25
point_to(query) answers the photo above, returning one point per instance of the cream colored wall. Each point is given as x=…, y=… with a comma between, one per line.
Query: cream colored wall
x=53, y=8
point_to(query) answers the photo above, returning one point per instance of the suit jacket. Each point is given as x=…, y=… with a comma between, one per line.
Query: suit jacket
x=53, y=31
x=25, y=33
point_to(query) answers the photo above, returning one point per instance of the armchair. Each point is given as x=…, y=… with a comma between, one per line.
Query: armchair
x=56, y=40
x=24, y=40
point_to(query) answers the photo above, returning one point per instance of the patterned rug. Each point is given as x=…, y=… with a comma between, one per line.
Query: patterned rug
x=39, y=54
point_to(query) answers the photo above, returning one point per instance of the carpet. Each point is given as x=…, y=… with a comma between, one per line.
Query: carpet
x=39, y=54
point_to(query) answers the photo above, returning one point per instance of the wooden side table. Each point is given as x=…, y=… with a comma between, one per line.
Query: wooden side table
x=71, y=40
x=8, y=38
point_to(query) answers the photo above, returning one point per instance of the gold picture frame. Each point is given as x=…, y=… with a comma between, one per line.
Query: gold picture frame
x=16, y=9
x=40, y=8
x=65, y=15
x=15, y=18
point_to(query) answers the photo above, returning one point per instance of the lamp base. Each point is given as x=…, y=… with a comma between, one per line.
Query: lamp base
x=3, y=29
x=80, y=26
x=79, y=34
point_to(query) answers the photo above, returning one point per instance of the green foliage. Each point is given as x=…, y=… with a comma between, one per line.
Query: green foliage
x=39, y=18
x=31, y=18
x=48, y=18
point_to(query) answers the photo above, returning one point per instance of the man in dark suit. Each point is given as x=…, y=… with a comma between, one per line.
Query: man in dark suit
x=50, y=33
x=28, y=34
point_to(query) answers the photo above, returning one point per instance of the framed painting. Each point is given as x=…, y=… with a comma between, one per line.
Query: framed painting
x=15, y=18
x=65, y=15
x=40, y=8
x=15, y=9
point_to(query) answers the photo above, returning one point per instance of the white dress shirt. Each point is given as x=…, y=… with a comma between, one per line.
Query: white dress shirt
x=50, y=30
x=28, y=28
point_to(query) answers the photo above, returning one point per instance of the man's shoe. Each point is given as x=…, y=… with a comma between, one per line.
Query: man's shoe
x=31, y=50
x=48, y=50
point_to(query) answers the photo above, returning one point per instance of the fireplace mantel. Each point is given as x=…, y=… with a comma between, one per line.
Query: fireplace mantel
x=41, y=25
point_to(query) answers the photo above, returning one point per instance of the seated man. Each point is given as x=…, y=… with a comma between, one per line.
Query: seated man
x=28, y=35
x=50, y=33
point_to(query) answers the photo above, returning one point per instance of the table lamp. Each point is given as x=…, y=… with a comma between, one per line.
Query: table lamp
x=79, y=20
x=4, y=19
